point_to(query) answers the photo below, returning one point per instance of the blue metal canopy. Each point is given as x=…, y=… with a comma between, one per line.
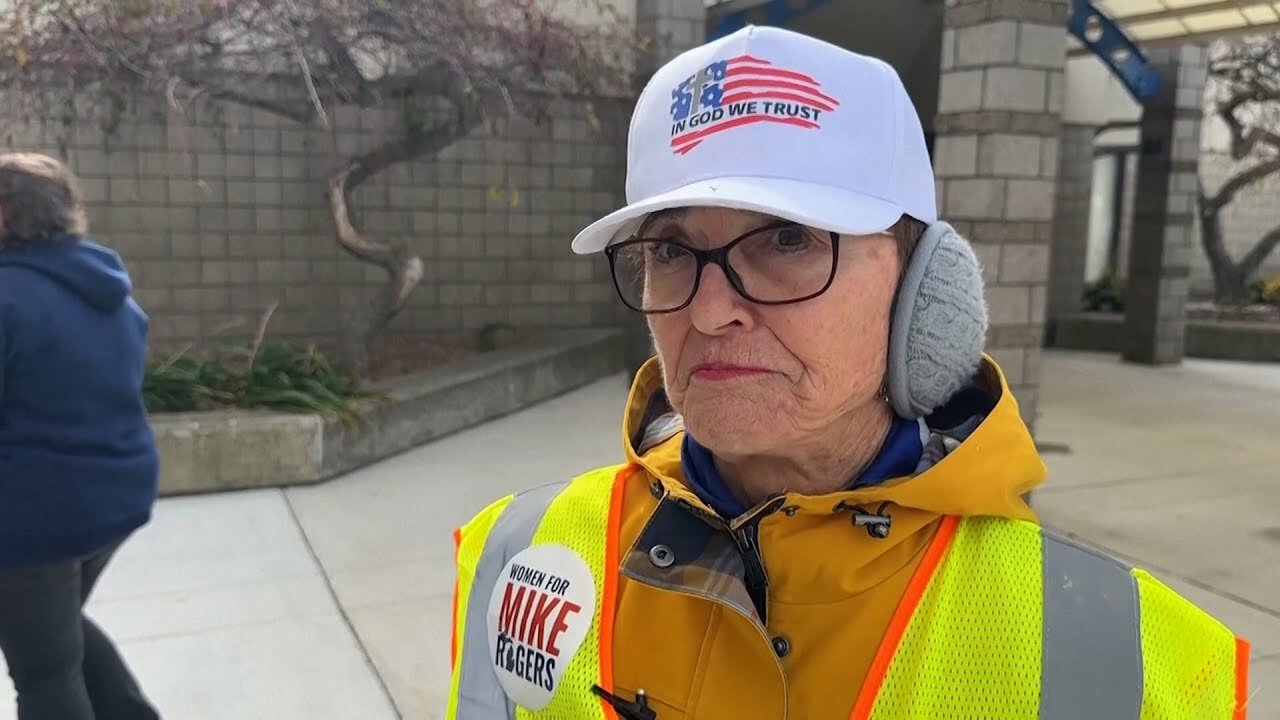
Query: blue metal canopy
x=1107, y=40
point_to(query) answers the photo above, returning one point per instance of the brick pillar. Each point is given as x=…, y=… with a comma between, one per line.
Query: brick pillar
x=669, y=28
x=1070, y=245
x=1164, y=209
x=996, y=158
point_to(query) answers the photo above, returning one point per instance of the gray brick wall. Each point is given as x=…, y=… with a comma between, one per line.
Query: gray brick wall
x=1254, y=212
x=219, y=218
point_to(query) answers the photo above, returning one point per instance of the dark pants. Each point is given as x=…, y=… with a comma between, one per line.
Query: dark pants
x=63, y=666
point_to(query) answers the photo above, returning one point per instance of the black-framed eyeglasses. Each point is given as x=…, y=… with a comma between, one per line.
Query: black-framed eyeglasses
x=777, y=264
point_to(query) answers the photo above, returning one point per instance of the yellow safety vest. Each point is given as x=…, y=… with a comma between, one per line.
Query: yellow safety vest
x=1002, y=621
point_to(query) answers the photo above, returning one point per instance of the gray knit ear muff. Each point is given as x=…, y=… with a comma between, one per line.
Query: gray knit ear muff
x=939, y=325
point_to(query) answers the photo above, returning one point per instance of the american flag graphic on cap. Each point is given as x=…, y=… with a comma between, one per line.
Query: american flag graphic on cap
x=740, y=91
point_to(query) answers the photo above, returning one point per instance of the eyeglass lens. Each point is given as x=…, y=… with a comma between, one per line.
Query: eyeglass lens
x=775, y=264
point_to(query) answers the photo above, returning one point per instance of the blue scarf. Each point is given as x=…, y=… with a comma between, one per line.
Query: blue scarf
x=898, y=457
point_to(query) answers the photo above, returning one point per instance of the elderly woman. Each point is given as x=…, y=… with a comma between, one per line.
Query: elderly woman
x=78, y=462
x=821, y=511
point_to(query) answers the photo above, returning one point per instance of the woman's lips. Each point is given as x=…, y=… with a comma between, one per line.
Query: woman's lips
x=723, y=372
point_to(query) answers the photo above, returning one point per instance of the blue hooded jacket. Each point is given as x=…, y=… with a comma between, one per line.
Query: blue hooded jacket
x=78, y=462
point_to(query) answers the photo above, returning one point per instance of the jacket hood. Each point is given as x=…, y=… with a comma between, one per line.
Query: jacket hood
x=980, y=458
x=93, y=272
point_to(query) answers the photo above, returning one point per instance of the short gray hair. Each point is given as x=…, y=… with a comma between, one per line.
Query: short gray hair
x=39, y=199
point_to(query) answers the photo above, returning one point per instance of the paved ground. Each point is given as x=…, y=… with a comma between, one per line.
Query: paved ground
x=332, y=602
x=1178, y=470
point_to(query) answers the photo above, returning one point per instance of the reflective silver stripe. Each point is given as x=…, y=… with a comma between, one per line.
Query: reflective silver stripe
x=1092, y=662
x=480, y=695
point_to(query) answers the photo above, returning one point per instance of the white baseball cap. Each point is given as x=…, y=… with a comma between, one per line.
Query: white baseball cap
x=773, y=121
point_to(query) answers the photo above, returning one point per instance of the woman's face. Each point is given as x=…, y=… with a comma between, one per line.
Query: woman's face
x=757, y=379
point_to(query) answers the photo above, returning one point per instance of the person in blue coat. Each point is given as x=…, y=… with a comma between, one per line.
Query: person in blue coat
x=78, y=462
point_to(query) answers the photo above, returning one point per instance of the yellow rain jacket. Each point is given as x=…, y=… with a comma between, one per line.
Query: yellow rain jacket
x=622, y=595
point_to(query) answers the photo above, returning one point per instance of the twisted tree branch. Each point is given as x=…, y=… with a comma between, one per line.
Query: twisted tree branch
x=1240, y=181
x=403, y=269
x=1245, y=140
x=1255, y=257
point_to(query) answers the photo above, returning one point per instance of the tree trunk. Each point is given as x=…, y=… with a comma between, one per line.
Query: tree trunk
x=1229, y=279
x=1230, y=286
x=404, y=272
x=404, y=269
x=364, y=323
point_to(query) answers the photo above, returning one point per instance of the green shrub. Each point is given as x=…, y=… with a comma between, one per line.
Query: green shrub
x=1266, y=292
x=184, y=384
x=1105, y=295
x=275, y=377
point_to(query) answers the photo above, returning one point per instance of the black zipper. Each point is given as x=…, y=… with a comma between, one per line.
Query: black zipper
x=748, y=539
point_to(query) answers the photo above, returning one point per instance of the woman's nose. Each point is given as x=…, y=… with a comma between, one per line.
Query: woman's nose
x=716, y=305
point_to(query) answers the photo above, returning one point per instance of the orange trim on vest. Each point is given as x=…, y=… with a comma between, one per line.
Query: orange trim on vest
x=609, y=591
x=933, y=556
x=453, y=638
x=1242, y=679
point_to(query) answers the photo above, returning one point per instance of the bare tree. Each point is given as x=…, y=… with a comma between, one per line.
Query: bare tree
x=1245, y=81
x=446, y=66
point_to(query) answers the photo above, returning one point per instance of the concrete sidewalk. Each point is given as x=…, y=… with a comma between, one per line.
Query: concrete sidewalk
x=332, y=602
x=1178, y=470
